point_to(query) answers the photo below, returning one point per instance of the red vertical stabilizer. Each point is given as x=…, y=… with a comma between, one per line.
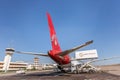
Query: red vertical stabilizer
x=54, y=41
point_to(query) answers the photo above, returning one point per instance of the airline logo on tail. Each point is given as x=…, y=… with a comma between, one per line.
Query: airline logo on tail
x=53, y=39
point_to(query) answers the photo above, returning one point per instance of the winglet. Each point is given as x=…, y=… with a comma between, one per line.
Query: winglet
x=89, y=42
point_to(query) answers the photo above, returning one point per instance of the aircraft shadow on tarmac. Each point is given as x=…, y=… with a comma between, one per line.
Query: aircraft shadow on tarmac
x=46, y=74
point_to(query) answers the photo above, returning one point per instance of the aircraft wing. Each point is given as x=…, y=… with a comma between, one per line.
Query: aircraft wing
x=32, y=53
x=66, y=52
x=97, y=60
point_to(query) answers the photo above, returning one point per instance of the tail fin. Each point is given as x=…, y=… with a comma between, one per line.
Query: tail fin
x=54, y=41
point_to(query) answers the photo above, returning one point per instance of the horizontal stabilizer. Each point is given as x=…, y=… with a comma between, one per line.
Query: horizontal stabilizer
x=66, y=52
x=32, y=53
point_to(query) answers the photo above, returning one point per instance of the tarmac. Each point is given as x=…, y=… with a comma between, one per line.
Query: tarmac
x=50, y=75
x=109, y=73
x=112, y=69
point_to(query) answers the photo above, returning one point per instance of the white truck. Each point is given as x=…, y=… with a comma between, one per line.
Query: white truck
x=77, y=67
x=87, y=57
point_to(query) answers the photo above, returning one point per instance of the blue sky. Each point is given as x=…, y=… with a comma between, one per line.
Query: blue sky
x=23, y=26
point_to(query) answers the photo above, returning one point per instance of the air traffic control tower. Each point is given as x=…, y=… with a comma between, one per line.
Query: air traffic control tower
x=9, y=52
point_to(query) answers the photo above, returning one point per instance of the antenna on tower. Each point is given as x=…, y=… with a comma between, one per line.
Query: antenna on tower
x=10, y=45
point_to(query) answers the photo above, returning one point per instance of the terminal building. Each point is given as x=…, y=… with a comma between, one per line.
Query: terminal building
x=14, y=66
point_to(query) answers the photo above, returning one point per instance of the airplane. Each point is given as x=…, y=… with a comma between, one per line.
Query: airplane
x=56, y=53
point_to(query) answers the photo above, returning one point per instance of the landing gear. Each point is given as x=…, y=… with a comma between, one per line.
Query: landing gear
x=61, y=68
